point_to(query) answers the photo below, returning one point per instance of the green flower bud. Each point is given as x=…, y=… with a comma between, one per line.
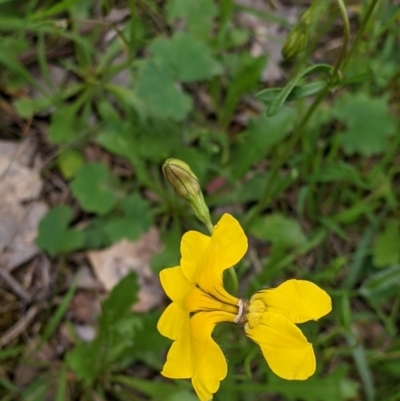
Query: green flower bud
x=298, y=38
x=187, y=186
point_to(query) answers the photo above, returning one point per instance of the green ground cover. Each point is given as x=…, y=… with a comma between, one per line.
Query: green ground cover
x=304, y=152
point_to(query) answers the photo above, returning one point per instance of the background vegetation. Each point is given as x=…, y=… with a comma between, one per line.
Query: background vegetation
x=305, y=153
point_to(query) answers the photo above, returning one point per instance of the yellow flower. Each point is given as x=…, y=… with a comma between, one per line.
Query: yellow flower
x=199, y=302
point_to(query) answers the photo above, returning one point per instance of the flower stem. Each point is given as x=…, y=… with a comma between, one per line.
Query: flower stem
x=360, y=32
x=346, y=38
x=340, y=64
x=235, y=281
x=265, y=198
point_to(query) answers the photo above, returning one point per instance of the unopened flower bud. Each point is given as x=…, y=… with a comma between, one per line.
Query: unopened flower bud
x=187, y=186
x=298, y=38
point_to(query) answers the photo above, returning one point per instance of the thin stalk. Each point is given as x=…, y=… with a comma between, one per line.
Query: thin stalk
x=360, y=32
x=265, y=198
x=346, y=32
x=340, y=64
x=234, y=279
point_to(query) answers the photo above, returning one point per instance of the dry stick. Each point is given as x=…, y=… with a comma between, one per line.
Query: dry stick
x=15, y=285
x=20, y=326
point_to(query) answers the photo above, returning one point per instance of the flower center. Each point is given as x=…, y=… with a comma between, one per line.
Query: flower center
x=238, y=317
x=254, y=313
x=197, y=300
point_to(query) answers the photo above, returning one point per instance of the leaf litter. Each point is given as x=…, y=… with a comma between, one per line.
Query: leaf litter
x=20, y=207
x=112, y=264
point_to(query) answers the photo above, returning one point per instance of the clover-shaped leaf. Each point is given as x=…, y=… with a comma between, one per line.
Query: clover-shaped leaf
x=137, y=219
x=197, y=15
x=369, y=123
x=94, y=187
x=69, y=162
x=160, y=94
x=187, y=58
x=63, y=124
x=183, y=58
x=280, y=230
x=54, y=236
x=117, y=137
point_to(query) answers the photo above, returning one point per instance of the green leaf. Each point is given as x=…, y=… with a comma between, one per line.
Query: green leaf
x=382, y=282
x=339, y=171
x=358, y=353
x=59, y=314
x=182, y=395
x=37, y=390
x=170, y=255
x=282, y=97
x=69, y=162
x=118, y=228
x=118, y=137
x=137, y=219
x=158, y=392
x=11, y=63
x=246, y=74
x=118, y=304
x=62, y=389
x=153, y=146
x=148, y=339
x=94, y=189
x=335, y=387
x=138, y=209
x=62, y=124
x=187, y=58
x=261, y=136
x=267, y=96
x=6, y=353
x=159, y=93
x=280, y=230
x=250, y=190
x=88, y=360
x=369, y=123
x=25, y=107
x=95, y=237
x=84, y=360
x=197, y=15
x=57, y=8
x=54, y=236
x=386, y=250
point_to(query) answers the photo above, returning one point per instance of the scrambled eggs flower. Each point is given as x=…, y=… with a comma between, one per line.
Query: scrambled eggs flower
x=199, y=302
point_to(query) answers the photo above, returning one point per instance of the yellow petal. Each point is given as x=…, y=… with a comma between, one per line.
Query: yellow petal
x=193, y=248
x=284, y=347
x=227, y=246
x=197, y=356
x=171, y=321
x=209, y=364
x=298, y=300
x=179, y=358
x=197, y=300
x=175, y=284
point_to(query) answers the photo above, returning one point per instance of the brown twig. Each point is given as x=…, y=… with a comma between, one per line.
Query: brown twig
x=15, y=285
x=20, y=326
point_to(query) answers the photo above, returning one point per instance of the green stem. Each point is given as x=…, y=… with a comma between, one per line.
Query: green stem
x=265, y=198
x=360, y=32
x=248, y=360
x=346, y=28
x=235, y=282
x=341, y=63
